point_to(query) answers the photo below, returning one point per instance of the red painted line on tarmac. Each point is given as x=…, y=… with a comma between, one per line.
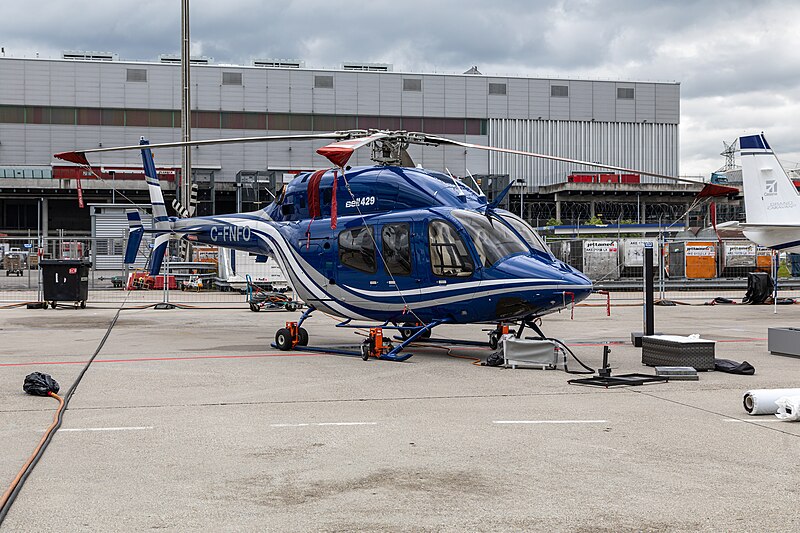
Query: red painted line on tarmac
x=186, y=358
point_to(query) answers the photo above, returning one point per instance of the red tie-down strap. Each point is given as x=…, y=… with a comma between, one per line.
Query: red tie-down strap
x=313, y=194
x=334, y=203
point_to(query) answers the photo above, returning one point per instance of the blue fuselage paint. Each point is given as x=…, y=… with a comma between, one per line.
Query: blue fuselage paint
x=524, y=284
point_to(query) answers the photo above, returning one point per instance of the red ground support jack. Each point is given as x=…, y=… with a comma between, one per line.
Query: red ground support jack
x=373, y=346
x=496, y=334
x=290, y=336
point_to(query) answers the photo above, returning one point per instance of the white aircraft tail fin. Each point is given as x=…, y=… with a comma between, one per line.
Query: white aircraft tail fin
x=770, y=196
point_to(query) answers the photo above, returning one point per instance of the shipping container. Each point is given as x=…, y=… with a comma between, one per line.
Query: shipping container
x=582, y=178
x=701, y=260
x=764, y=260
x=601, y=259
x=630, y=178
x=737, y=258
x=675, y=264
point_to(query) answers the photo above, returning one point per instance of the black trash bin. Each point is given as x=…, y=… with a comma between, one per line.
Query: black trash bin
x=65, y=280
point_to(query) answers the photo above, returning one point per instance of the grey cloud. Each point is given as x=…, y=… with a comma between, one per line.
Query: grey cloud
x=736, y=61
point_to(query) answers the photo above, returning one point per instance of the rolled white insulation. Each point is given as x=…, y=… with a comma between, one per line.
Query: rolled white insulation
x=789, y=408
x=762, y=401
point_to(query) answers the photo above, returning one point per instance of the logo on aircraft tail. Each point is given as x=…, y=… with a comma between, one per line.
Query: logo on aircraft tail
x=770, y=187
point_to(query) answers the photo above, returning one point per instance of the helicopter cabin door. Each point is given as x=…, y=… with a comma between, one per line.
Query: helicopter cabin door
x=377, y=262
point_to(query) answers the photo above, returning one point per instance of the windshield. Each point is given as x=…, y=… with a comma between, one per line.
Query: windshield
x=492, y=239
x=527, y=233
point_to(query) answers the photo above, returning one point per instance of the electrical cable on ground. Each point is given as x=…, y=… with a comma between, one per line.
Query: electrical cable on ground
x=11, y=494
x=46, y=436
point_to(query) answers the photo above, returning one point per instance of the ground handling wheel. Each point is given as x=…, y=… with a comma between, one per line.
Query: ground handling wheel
x=365, y=349
x=496, y=334
x=302, y=337
x=283, y=339
x=409, y=328
x=494, y=340
x=255, y=307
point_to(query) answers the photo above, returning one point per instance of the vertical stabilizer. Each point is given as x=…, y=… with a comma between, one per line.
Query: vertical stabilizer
x=161, y=221
x=770, y=196
x=160, y=218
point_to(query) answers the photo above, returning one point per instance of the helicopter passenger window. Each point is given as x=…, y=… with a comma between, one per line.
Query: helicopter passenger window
x=491, y=238
x=396, y=249
x=357, y=249
x=449, y=255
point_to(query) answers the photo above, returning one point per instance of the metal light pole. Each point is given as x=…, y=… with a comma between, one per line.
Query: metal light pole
x=186, y=106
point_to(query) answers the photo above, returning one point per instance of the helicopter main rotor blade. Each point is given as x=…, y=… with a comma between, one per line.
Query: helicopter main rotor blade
x=443, y=140
x=79, y=156
x=339, y=153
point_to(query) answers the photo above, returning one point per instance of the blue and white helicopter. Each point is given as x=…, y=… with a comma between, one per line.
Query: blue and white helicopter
x=407, y=248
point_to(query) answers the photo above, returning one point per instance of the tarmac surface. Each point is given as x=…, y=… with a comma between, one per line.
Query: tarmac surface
x=188, y=420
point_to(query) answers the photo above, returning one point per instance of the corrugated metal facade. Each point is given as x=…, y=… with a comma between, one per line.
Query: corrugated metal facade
x=643, y=146
x=639, y=129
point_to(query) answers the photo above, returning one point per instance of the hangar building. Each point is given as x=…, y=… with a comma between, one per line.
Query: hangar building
x=87, y=100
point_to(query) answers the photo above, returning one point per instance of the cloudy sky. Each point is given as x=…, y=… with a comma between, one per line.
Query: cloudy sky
x=738, y=62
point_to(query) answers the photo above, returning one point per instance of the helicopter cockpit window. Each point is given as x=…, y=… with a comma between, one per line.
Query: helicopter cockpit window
x=528, y=233
x=396, y=249
x=357, y=249
x=449, y=254
x=493, y=239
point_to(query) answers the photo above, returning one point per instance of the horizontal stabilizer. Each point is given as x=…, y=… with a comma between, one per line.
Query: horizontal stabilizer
x=132, y=249
x=767, y=225
x=134, y=236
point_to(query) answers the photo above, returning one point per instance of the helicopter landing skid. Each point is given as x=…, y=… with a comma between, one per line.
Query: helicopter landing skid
x=434, y=340
x=347, y=353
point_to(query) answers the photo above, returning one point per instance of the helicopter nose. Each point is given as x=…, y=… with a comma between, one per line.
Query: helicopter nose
x=580, y=285
x=527, y=267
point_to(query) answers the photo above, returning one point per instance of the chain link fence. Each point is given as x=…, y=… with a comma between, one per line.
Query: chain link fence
x=684, y=270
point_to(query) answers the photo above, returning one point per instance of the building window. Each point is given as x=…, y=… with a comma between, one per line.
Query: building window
x=161, y=119
x=255, y=121
x=137, y=117
x=412, y=84
x=357, y=249
x=559, y=91
x=112, y=117
x=278, y=121
x=498, y=89
x=231, y=78
x=206, y=119
x=136, y=74
x=12, y=114
x=412, y=124
x=302, y=123
x=89, y=117
x=232, y=121
x=323, y=82
x=37, y=115
x=625, y=93
x=62, y=115
x=324, y=123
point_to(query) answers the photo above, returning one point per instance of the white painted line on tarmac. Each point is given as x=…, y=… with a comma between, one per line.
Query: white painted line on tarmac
x=132, y=428
x=549, y=421
x=323, y=424
x=756, y=420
